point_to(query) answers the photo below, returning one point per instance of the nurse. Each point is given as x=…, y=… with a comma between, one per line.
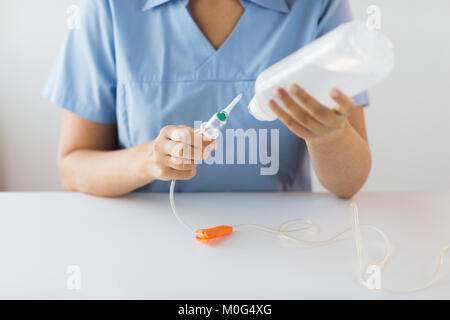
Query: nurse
x=137, y=74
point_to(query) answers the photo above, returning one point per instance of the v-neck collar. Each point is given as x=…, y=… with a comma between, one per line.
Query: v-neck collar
x=193, y=26
x=278, y=5
x=197, y=42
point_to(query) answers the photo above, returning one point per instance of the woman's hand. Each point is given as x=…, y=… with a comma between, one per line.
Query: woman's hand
x=339, y=153
x=175, y=152
x=89, y=162
x=309, y=119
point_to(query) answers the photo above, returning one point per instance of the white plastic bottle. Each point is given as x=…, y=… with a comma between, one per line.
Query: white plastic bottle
x=352, y=58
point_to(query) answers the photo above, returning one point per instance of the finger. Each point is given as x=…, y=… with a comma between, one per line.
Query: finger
x=167, y=173
x=179, y=150
x=287, y=119
x=210, y=145
x=185, y=175
x=178, y=163
x=200, y=141
x=345, y=106
x=323, y=114
x=186, y=135
x=298, y=113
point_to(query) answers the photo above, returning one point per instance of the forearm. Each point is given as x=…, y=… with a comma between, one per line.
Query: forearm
x=342, y=161
x=105, y=173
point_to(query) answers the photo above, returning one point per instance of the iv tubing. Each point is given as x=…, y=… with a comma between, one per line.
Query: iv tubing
x=362, y=256
x=174, y=209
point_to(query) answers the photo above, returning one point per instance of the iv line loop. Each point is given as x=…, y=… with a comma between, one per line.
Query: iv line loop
x=310, y=225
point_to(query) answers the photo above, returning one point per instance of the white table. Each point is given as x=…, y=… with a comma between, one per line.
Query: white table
x=133, y=248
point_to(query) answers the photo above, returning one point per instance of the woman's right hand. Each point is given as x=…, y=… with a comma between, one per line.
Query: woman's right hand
x=175, y=152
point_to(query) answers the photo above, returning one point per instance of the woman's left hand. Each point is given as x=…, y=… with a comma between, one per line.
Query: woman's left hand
x=309, y=119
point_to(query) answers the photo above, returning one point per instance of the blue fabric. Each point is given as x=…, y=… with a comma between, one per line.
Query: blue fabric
x=145, y=64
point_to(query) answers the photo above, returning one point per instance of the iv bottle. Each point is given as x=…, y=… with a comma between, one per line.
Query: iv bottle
x=352, y=58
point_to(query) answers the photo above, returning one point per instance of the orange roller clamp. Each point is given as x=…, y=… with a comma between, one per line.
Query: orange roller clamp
x=205, y=235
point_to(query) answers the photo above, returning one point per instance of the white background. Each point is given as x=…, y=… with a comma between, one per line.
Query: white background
x=407, y=122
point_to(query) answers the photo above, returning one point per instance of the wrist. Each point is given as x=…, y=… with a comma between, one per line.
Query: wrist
x=144, y=166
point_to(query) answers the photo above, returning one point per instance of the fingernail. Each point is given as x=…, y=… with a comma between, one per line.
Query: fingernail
x=294, y=88
x=335, y=93
x=279, y=93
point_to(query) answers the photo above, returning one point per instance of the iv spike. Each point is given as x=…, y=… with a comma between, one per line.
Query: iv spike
x=233, y=104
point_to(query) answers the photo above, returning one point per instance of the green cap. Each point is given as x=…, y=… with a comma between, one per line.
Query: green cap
x=222, y=116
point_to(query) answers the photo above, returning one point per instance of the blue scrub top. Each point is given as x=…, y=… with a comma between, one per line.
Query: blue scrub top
x=145, y=64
